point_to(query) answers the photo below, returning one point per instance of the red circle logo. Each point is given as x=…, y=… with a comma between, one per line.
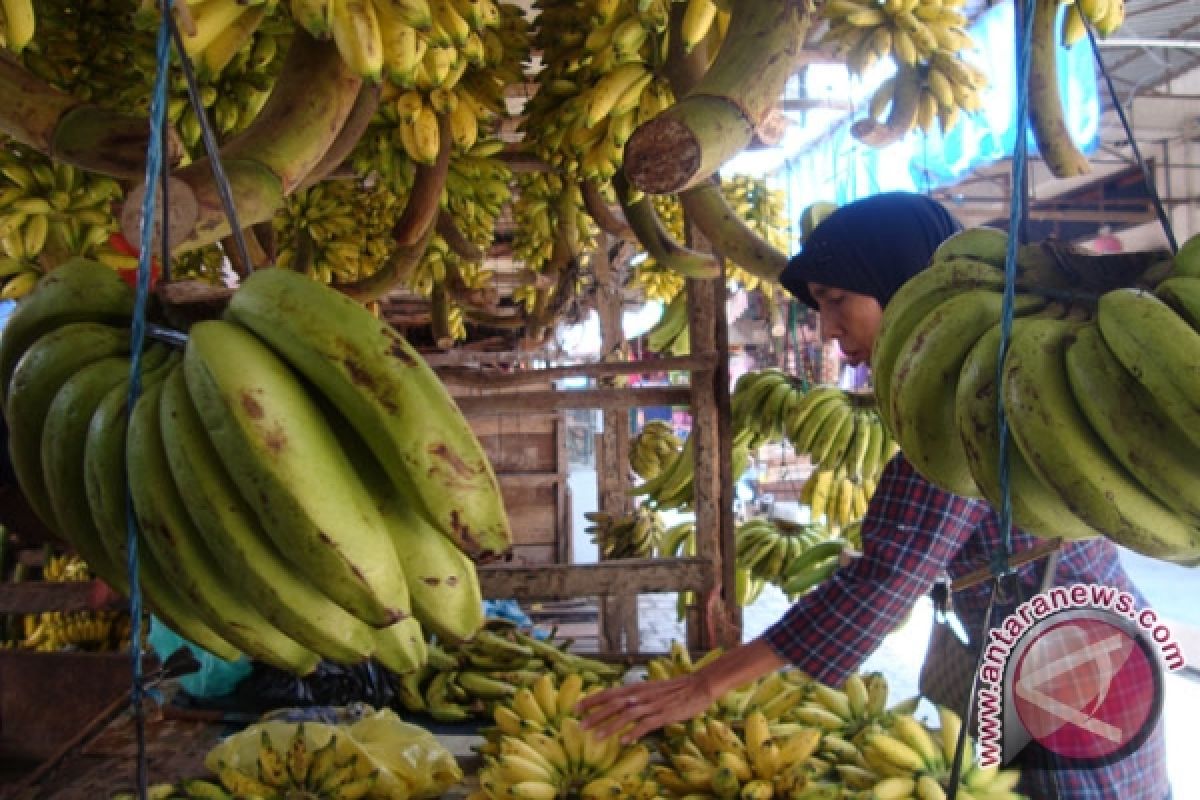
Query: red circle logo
x=1086, y=688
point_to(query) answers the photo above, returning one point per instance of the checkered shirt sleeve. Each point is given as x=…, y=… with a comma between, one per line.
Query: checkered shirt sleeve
x=910, y=531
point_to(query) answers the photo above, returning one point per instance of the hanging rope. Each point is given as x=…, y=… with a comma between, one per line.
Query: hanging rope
x=1147, y=178
x=154, y=168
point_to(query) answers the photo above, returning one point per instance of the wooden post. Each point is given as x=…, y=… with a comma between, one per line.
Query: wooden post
x=618, y=612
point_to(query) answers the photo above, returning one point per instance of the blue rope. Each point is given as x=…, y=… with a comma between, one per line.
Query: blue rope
x=154, y=157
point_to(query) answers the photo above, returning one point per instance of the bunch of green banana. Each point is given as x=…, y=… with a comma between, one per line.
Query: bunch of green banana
x=840, y=429
x=48, y=212
x=337, y=231
x=672, y=487
x=296, y=767
x=17, y=24
x=760, y=402
x=924, y=37
x=636, y=535
x=655, y=446
x=761, y=763
x=538, y=750
x=1096, y=393
x=671, y=334
x=909, y=760
x=467, y=679
x=795, y=559
x=289, y=520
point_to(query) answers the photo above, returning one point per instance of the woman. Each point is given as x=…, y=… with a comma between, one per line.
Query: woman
x=851, y=265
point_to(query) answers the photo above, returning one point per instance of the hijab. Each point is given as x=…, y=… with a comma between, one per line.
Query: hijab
x=871, y=246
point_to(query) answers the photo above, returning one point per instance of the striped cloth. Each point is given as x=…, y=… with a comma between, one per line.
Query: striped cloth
x=912, y=533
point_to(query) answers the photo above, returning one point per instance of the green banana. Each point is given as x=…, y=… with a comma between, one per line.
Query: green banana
x=179, y=614
x=924, y=380
x=1065, y=453
x=1036, y=507
x=279, y=450
x=1127, y=420
x=288, y=600
x=40, y=373
x=1159, y=349
x=176, y=545
x=389, y=395
x=910, y=305
x=981, y=243
x=78, y=290
x=401, y=646
x=1182, y=294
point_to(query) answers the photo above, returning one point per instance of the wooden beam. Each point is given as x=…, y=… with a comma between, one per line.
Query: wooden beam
x=487, y=379
x=34, y=597
x=626, y=576
x=604, y=399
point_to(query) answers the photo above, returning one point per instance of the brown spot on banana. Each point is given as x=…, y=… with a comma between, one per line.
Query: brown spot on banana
x=251, y=406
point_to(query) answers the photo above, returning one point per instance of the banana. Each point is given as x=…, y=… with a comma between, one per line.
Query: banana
x=1054, y=142
x=180, y=550
x=41, y=372
x=1066, y=453
x=924, y=381
x=276, y=444
x=358, y=36
x=395, y=402
x=401, y=646
x=78, y=290
x=1036, y=507
x=315, y=16
x=1161, y=352
x=252, y=562
x=1126, y=418
x=19, y=24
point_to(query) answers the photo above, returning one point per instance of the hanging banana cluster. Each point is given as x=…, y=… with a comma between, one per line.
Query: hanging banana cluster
x=598, y=83
x=932, y=84
x=672, y=487
x=654, y=446
x=1105, y=16
x=635, y=535
x=763, y=209
x=680, y=540
x=545, y=206
x=48, y=213
x=672, y=333
x=796, y=558
x=336, y=231
x=468, y=679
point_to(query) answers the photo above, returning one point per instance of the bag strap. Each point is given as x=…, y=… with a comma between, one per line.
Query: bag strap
x=944, y=588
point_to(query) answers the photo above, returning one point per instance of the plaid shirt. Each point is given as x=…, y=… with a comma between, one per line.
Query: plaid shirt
x=912, y=533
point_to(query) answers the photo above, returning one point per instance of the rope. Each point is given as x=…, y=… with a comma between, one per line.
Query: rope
x=1147, y=178
x=154, y=155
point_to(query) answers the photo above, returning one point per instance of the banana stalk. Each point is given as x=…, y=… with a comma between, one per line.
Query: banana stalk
x=364, y=108
x=1054, y=142
x=707, y=209
x=61, y=126
x=443, y=336
x=657, y=240
x=717, y=119
x=460, y=244
x=606, y=218
x=307, y=108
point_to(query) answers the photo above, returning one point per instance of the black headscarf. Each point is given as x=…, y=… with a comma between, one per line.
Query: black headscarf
x=871, y=246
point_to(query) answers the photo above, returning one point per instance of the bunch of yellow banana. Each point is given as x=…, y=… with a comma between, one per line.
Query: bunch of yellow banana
x=712, y=759
x=654, y=446
x=188, y=789
x=336, y=231
x=598, y=83
x=294, y=768
x=1099, y=395
x=1105, y=16
x=908, y=760
x=48, y=213
x=17, y=24
x=467, y=679
x=333, y=515
x=672, y=487
x=924, y=37
x=761, y=403
x=795, y=559
x=836, y=429
x=773, y=695
x=545, y=205
x=635, y=535
x=764, y=210
x=76, y=630
x=656, y=282
x=477, y=190
x=538, y=750
x=672, y=333
x=837, y=497
x=846, y=714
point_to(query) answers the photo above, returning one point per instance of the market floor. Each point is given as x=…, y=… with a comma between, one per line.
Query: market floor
x=901, y=653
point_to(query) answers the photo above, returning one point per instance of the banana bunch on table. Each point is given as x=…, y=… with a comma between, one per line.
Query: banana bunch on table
x=635, y=535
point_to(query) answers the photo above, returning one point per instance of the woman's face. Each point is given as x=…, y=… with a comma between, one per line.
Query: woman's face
x=850, y=318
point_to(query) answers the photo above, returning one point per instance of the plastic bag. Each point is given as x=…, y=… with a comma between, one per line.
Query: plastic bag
x=216, y=676
x=411, y=762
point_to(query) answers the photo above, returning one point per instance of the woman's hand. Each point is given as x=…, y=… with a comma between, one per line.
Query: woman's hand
x=639, y=708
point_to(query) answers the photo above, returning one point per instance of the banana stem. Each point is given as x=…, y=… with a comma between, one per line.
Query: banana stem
x=706, y=208
x=443, y=339
x=424, y=201
x=66, y=129
x=657, y=240
x=399, y=266
x=1058, y=150
x=455, y=239
x=364, y=108
x=607, y=218
x=307, y=108
x=717, y=119
x=682, y=69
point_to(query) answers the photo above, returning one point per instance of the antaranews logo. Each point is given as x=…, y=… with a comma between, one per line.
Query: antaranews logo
x=1079, y=670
